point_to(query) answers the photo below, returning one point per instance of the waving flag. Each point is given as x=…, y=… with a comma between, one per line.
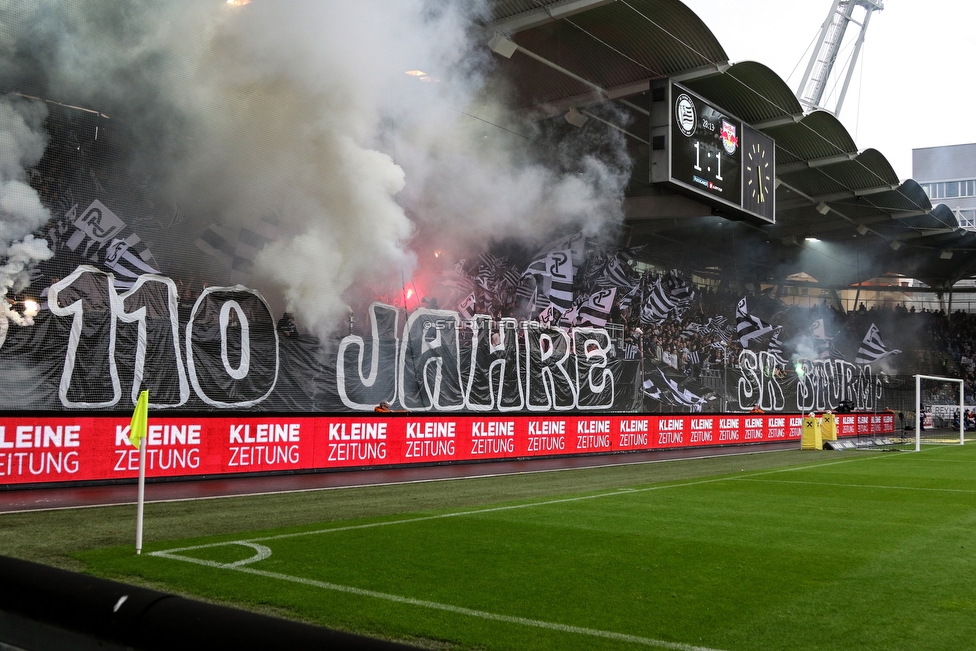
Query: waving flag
x=817, y=330
x=559, y=265
x=575, y=244
x=670, y=294
x=237, y=247
x=628, y=300
x=615, y=270
x=822, y=344
x=748, y=326
x=719, y=325
x=657, y=305
x=776, y=348
x=692, y=328
x=101, y=237
x=550, y=315
x=872, y=348
x=679, y=290
x=466, y=308
x=596, y=310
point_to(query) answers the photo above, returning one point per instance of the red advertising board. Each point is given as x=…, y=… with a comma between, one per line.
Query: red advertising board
x=96, y=448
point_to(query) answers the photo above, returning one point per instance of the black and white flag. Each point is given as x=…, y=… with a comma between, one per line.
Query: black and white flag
x=631, y=350
x=559, y=266
x=679, y=290
x=669, y=295
x=550, y=315
x=575, y=244
x=691, y=329
x=237, y=247
x=719, y=325
x=628, y=299
x=748, y=326
x=596, y=310
x=872, y=348
x=466, y=308
x=657, y=305
x=103, y=238
x=823, y=345
x=122, y=259
x=659, y=386
x=616, y=270
x=776, y=348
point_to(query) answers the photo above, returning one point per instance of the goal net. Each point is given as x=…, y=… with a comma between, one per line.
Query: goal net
x=941, y=415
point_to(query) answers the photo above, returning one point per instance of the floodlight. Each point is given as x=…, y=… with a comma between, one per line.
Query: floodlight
x=575, y=118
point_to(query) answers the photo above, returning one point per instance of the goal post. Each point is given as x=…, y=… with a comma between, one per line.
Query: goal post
x=942, y=402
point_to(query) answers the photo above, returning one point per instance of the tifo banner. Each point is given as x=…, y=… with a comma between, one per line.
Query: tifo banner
x=97, y=448
x=96, y=347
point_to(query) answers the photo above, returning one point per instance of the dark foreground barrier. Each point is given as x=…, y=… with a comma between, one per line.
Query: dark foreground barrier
x=45, y=608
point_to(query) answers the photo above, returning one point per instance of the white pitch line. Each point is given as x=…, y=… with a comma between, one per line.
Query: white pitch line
x=469, y=612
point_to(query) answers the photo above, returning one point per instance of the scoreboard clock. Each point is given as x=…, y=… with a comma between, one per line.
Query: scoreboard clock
x=758, y=174
x=716, y=156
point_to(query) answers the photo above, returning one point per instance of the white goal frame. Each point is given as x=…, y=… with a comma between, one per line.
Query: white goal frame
x=918, y=407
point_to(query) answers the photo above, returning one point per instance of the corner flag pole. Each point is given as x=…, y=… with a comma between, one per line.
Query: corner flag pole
x=137, y=436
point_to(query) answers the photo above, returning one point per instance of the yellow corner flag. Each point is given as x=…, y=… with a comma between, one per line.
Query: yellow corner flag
x=140, y=418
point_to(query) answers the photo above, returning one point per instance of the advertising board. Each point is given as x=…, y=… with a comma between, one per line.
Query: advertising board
x=96, y=448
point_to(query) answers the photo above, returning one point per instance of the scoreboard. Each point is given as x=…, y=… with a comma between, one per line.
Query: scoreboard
x=716, y=156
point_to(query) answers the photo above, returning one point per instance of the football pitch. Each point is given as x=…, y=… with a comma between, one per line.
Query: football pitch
x=853, y=550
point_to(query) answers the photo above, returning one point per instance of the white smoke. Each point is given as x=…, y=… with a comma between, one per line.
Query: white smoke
x=305, y=110
x=22, y=143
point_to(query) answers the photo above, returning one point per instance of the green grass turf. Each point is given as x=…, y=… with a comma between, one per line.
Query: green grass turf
x=773, y=551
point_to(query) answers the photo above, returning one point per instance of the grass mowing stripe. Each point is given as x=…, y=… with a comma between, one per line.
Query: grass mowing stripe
x=455, y=514
x=949, y=461
x=440, y=516
x=406, y=482
x=508, y=619
x=825, y=483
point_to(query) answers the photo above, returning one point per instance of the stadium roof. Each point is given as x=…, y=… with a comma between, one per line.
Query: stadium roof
x=563, y=54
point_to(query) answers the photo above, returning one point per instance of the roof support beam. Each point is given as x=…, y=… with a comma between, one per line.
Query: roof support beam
x=837, y=196
x=501, y=44
x=543, y=15
x=614, y=126
x=625, y=90
x=908, y=214
x=778, y=122
x=826, y=227
x=813, y=200
x=920, y=233
x=707, y=71
x=799, y=166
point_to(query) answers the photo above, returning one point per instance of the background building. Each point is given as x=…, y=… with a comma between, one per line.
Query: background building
x=948, y=176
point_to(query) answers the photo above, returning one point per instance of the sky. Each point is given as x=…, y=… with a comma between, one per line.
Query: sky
x=916, y=86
